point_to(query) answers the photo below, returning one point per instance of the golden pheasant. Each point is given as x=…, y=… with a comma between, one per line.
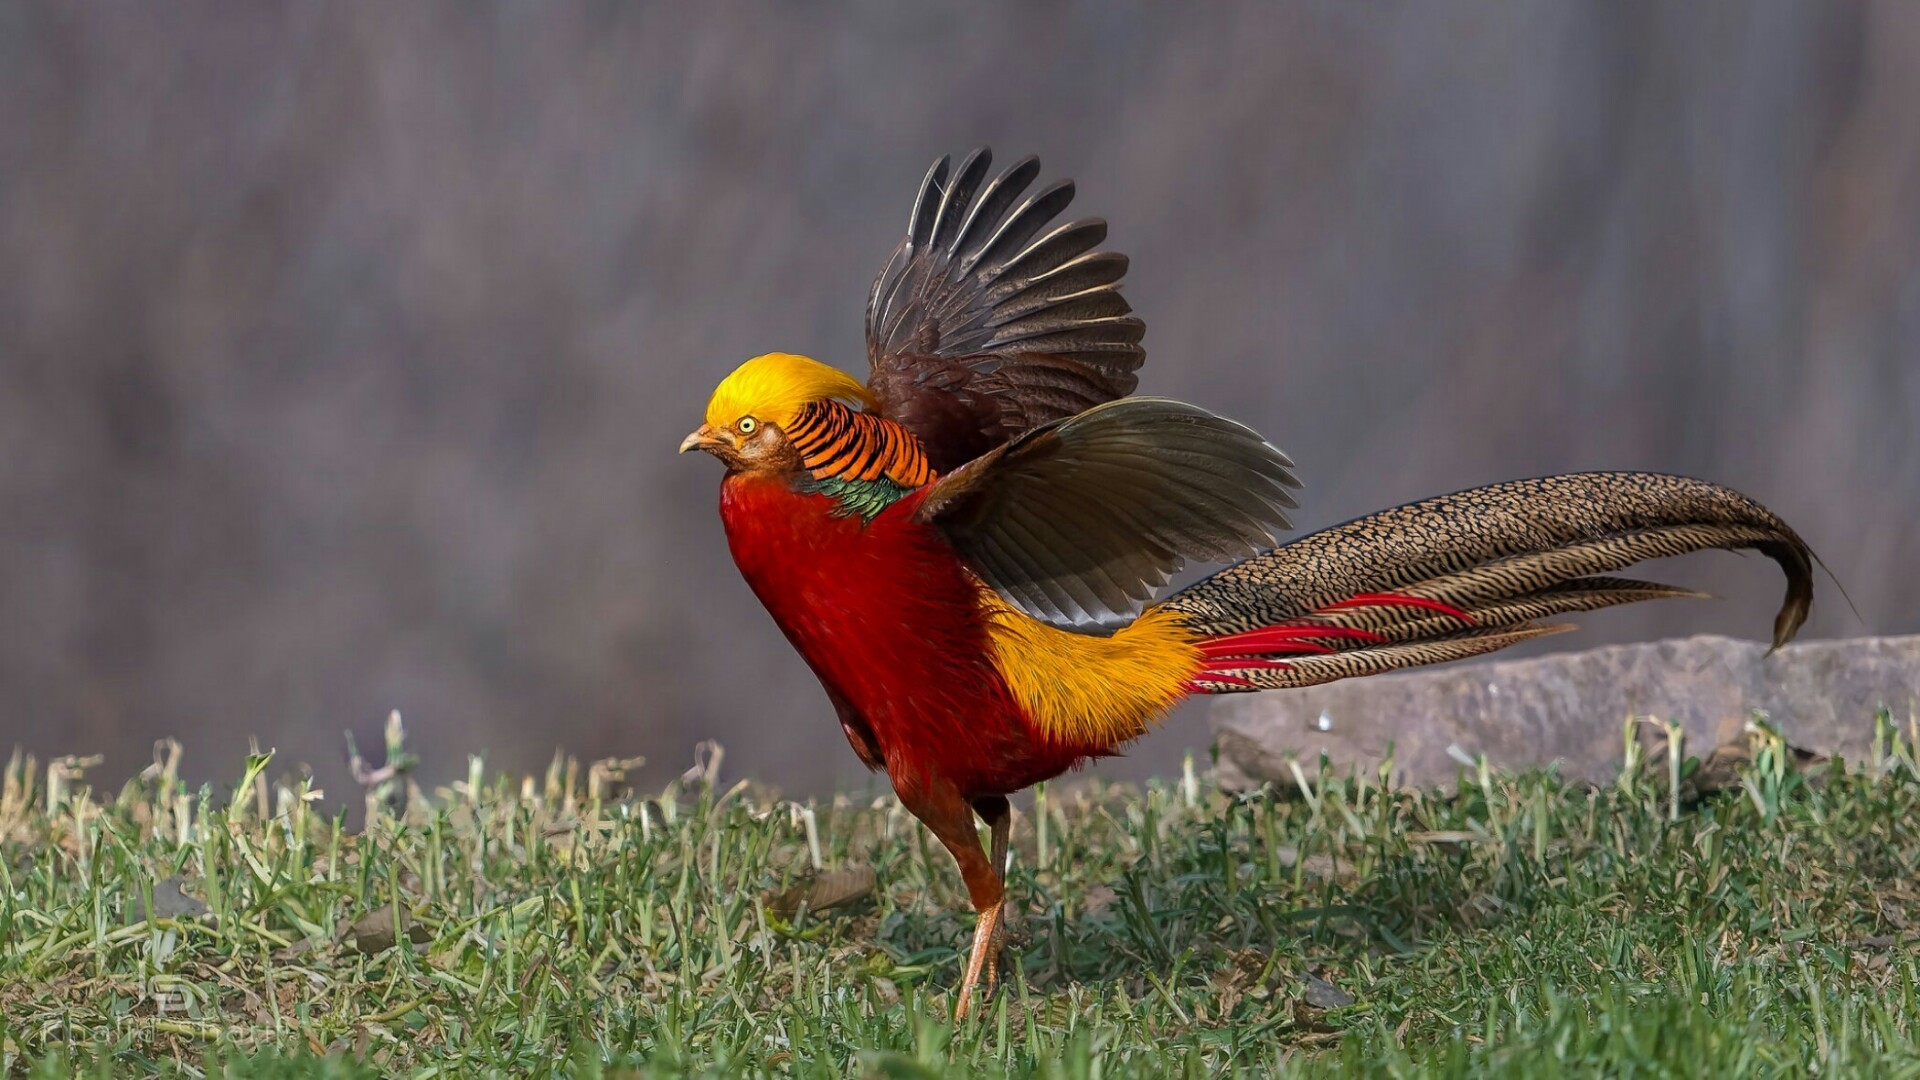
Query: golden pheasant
x=966, y=547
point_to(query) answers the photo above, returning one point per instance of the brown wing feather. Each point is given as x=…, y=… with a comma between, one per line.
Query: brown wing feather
x=986, y=323
x=1081, y=520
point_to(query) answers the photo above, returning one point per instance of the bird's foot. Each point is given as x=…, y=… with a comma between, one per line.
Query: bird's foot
x=983, y=963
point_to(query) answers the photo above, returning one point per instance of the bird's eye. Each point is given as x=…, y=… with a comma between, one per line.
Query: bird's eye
x=747, y=424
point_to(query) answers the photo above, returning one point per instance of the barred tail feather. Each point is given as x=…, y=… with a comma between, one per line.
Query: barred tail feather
x=1466, y=574
x=1296, y=672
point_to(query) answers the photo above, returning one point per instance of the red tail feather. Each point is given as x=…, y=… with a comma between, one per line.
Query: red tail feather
x=1280, y=638
x=1194, y=684
x=1400, y=600
x=1254, y=648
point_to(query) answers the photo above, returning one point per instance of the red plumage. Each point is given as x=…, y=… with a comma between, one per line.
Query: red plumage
x=890, y=621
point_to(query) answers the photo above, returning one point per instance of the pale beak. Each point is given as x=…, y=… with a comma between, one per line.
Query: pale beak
x=703, y=438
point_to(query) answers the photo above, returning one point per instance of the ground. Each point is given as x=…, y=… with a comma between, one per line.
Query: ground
x=1523, y=926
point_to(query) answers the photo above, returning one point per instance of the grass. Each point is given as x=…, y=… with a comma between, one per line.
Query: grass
x=1521, y=927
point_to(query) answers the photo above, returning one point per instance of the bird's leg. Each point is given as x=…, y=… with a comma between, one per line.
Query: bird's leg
x=998, y=815
x=950, y=817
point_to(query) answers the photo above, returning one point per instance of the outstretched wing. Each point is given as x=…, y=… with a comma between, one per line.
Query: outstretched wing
x=985, y=323
x=1080, y=520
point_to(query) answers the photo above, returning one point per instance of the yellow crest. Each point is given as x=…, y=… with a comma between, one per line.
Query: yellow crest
x=773, y=387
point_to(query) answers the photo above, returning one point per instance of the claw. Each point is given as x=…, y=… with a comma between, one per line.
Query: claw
x=999, y=945
x=989, y=934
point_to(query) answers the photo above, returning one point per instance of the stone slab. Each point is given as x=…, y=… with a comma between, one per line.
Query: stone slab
x=1571, y=708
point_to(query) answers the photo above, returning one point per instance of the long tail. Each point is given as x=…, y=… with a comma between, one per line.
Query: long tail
x=1468, y=573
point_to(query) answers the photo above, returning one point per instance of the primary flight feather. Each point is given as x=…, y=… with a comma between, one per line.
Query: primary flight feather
x=966, y=547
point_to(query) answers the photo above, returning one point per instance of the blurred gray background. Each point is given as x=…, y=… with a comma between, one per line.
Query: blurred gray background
x=344, y=348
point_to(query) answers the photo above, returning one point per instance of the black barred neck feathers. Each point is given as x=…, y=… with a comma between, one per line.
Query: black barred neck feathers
x=867, y=462
x=835, y=442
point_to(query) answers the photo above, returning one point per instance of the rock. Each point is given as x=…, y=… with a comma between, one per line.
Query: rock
x=373, y=932
x=823, y=892
x=1569, y=708
x=1322, y=994
x=170, y=901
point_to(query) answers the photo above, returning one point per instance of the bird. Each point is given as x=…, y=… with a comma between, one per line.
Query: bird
x=969, y=547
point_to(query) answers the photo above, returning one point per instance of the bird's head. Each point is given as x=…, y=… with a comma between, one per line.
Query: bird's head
x=750, y=409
